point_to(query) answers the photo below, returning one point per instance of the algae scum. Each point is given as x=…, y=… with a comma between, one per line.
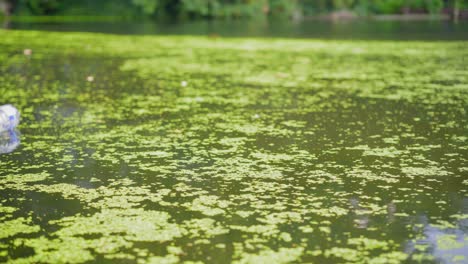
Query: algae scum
x=208, y=150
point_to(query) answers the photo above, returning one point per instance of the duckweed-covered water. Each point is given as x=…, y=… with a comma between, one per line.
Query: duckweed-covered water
x=212, y=150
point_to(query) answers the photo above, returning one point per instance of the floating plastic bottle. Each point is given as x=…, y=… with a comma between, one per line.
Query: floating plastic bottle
x=9, y=141
x=9, y=117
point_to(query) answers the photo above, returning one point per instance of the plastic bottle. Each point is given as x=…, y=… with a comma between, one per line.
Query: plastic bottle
x=9, y=141
x=9, y=117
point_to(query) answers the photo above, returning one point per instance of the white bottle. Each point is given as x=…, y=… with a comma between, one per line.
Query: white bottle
x=9, y=117
x=9, y=141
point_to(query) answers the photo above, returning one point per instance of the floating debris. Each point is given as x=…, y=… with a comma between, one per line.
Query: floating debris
x=27, y=52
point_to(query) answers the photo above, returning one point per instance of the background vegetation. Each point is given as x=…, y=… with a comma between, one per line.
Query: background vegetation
x=224, y=8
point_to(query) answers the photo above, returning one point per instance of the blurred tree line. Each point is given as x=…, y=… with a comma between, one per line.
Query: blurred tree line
x=224, y=8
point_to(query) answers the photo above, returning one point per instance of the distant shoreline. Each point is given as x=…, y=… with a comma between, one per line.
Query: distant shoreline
x=347, y=15
x=413, y=17
x=336, y=16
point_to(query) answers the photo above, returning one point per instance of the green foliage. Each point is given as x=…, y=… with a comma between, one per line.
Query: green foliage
x=387, y=7
x=44, y=7
x=281, y=7
x=229, y=8
x=148, y=6
x=434, y=6
x=202, y=7
x=342, y=4
x=373, y=6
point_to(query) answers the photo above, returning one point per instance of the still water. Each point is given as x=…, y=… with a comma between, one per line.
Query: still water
x=358, y=29
x=162, y=150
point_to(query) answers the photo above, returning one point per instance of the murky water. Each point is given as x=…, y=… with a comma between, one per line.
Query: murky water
x=216, y=150
x=358, y=29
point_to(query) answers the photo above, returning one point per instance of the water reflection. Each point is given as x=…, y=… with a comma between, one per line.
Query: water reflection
x=362, y=215
x=446, y=242
x=356, y=29
x=6, y=23
x=9, y=141
x=447, y=245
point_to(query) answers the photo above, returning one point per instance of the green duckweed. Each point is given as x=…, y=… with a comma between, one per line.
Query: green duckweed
x=200, y=150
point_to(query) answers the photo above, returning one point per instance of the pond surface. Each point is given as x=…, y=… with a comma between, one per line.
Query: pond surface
x=167, y=149
x=355, y=29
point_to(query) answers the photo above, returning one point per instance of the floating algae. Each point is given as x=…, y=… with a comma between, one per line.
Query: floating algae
x=274, y=150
